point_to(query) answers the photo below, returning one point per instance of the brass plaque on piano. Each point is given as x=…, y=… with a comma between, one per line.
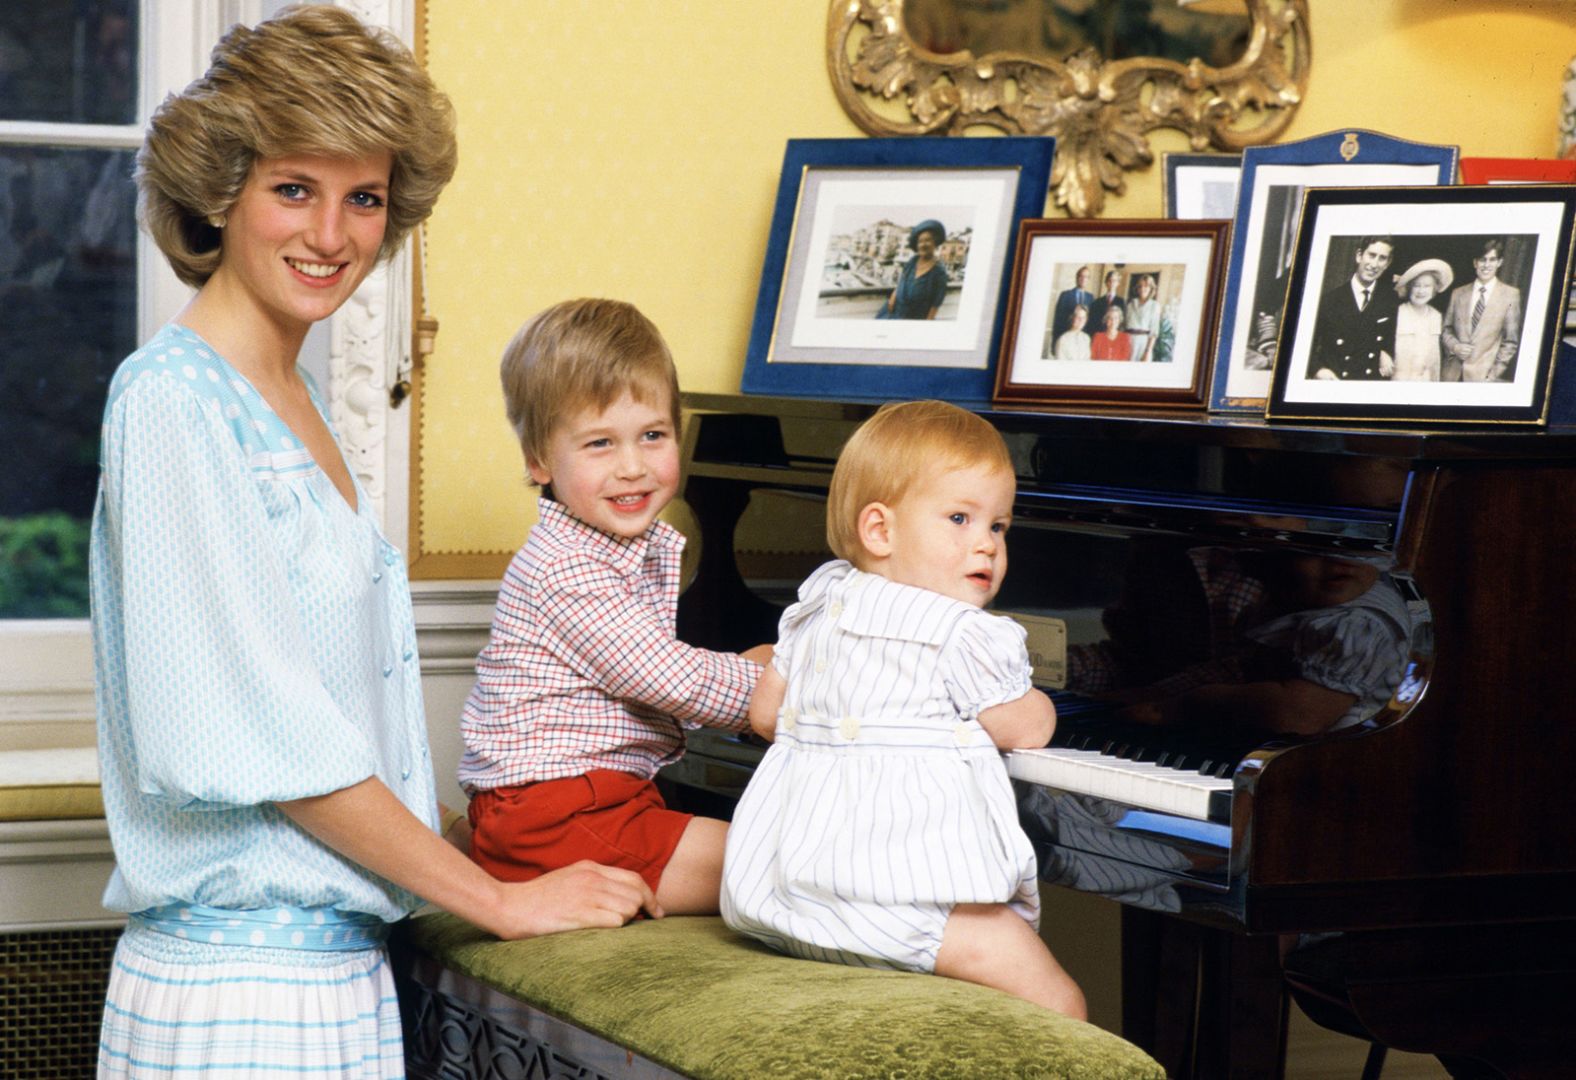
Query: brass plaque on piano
x=1047, y=648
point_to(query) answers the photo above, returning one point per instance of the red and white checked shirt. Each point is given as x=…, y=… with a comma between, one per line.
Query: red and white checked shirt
x=583, y=671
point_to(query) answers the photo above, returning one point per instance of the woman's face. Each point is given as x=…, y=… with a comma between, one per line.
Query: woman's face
x=925, y=244
x=1113, y=320
x=1080, y=318
x=1422, y=289
x=1146, y=288
x=304, y=233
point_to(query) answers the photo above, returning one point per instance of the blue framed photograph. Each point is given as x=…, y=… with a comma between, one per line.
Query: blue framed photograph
x=1200, y=187
x=886, y=267
x=1264, y=237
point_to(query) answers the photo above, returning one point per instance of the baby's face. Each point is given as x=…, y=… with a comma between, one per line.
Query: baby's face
x=950, y=534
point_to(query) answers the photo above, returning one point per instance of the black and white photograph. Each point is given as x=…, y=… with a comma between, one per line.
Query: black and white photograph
x=883, y=263
x=1269, y=208
x=1111, y=311
x=1433, y=303
x=1200, y=187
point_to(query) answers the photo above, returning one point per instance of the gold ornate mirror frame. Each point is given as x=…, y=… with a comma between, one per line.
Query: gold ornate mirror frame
x=1100, y=111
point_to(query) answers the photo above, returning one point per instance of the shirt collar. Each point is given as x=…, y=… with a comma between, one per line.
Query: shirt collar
x=621, y=552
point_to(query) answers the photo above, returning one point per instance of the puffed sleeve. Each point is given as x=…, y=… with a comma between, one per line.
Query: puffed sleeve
x=985, y=663
x=1353, y=649
x=224, y=703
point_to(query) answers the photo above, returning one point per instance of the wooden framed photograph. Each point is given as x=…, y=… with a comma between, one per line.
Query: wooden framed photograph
x=1119, y=312
x=1200, y=187
x=1263, y=235
x=1490, y=170
x=886, y=267
x=1437, y=304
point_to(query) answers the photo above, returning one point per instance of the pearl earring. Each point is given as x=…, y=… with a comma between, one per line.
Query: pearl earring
x=216, y=220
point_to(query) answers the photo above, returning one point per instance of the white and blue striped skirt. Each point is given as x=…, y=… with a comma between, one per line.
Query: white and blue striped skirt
x=198, y=993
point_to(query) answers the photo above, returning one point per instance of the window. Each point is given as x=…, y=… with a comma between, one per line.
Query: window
x=77, y=283
x=81, y=287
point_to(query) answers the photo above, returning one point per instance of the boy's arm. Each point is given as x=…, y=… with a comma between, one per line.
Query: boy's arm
x=765, y=702
x=621, y=644
x=1019, y=724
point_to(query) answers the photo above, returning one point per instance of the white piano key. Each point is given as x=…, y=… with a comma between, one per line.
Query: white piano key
x=1135, y=783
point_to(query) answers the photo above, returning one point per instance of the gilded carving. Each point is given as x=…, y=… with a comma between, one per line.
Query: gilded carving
x=1101, y=111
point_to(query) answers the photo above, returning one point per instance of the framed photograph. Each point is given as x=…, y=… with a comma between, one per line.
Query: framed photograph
x=1118, y=312
x=1483, y=170
x=1438, y=304
x=886, y=267
x=1492, y=170
x=1200, y=187
x=1269, y=202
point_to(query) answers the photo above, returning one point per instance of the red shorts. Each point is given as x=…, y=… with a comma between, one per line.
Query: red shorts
x=607, y=816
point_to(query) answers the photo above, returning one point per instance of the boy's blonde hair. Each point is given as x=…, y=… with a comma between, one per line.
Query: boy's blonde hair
x=582, y=354
x=313, y=79
x=894, y=450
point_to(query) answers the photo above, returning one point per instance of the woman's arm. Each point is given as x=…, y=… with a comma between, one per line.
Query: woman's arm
x=368, y=825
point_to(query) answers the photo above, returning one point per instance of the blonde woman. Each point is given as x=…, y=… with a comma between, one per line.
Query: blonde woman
x=262, y=742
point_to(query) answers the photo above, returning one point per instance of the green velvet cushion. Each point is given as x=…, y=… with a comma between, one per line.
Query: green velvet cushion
x=691, y=995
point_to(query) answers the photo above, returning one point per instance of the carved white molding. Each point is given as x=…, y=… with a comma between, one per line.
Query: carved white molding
x=369, y=345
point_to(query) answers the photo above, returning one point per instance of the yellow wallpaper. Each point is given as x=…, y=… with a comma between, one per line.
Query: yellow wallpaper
x=631, y=148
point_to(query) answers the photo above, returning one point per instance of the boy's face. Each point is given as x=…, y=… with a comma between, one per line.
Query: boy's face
x=950, y=536
x=613, y=468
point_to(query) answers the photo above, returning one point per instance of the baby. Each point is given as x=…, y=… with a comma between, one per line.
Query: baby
x=880, y=830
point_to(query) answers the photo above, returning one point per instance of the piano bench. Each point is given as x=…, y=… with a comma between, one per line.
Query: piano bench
x=686, y=997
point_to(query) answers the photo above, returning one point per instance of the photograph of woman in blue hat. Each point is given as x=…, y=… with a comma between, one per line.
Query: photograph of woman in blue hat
x=922, y=285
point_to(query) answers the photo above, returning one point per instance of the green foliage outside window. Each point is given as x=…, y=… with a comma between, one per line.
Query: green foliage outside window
x=43, y=567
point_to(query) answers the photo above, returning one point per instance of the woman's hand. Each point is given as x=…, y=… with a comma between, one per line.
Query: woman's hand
x=582, y=896
x=370, y=827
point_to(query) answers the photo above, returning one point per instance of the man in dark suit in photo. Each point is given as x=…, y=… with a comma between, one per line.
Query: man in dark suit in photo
x=1078, y=295
x=1111, y=297
x=1354, y=336
x=1483, y=325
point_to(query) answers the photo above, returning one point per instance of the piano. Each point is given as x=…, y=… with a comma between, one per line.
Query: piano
x=1401, y=829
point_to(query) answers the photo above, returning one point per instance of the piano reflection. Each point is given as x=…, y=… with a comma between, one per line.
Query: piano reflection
x=1309, y=681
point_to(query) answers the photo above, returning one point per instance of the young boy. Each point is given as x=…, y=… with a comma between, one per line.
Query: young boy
x=583, y=692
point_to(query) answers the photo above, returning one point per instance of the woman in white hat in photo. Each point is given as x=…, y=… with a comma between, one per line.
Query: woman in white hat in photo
x=1418, y=323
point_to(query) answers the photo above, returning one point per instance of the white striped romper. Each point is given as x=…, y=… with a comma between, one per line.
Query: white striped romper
x=883, y=803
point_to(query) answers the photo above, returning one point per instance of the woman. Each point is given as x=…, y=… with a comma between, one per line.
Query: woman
x=1074, y=342
x=1418, y=323
x=1112, y=343
x=1143, y=319
x=922, y=284
x=262, y=743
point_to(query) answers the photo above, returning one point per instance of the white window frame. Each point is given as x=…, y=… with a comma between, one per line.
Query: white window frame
x=46, y=677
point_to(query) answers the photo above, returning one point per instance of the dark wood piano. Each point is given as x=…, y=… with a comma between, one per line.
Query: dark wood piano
x=1413, y=857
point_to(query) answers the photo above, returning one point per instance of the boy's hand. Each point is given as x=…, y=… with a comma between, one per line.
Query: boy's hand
x=761, y=654
x=765, y=702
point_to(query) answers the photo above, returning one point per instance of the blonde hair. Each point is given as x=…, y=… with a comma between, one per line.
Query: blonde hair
x=895, y=449
x=582, y=354
x=311, y=80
